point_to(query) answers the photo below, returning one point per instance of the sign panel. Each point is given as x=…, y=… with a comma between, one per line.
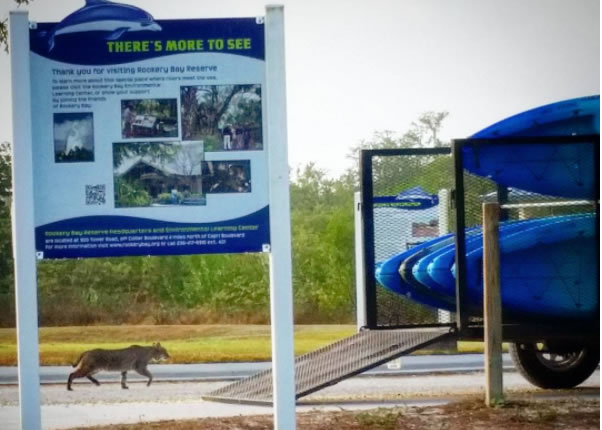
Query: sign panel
x=148, y=135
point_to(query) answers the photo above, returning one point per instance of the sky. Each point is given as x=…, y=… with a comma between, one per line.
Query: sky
x=356, y=67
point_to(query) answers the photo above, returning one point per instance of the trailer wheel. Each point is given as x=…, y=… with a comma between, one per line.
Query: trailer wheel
x=549, y=366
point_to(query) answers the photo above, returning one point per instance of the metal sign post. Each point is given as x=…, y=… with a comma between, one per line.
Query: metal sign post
x=281, y=297
x=26, y=289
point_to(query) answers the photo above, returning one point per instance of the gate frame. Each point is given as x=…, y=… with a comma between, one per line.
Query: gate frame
x=367, y=195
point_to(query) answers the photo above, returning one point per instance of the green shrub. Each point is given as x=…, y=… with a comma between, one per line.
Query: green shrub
x=164, y=198
x=130, y=194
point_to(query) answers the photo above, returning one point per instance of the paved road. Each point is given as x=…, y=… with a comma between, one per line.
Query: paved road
x=415, y=364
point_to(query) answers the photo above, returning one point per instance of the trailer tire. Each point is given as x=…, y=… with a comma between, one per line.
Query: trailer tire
x=555, y=367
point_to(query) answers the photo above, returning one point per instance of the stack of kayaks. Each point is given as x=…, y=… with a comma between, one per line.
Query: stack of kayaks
x=549, y=266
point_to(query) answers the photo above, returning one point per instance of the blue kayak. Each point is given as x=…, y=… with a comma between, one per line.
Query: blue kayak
x=419, y=269
x=550, y=270
x=546, y=268
x=387, y=274
x=436, y=271
x=396, y=273
x=558, y=169
x=579, y=116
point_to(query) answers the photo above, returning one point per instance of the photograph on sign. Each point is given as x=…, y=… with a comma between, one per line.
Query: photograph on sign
x=148, y=141
x=157, y=174
x=73, y=137
x=227, y=176
x=238, y=128
x=149, y=118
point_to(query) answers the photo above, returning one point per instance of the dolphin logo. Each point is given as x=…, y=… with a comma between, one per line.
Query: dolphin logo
x=103, y=15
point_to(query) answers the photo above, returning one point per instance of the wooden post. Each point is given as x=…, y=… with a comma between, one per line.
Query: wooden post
x=492, y=303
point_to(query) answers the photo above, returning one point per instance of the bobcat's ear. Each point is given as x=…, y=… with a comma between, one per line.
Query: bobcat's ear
x=154, y=344
x=158, y=343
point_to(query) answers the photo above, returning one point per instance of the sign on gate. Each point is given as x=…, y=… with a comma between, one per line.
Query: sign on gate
x=148, y=135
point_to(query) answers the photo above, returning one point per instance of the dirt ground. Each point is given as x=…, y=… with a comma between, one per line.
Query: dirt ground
x=530, y=414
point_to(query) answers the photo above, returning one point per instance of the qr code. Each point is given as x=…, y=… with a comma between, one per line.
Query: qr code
x=95, y=194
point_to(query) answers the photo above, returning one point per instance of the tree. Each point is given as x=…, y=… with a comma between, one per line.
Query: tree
x=161, y=152
x=247, y=110
x=322, y=235
x=429, y=124
x=422, y=133
x=190, y=110
x=392, y=174
x=6, y=261
x=187, y=162
x=5, y=172
x=4, y=26
x=204, y=107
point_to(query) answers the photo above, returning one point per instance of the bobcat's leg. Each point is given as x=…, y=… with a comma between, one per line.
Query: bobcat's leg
x=123, y=380
x=70, y=381
x=94, y=380
x=77, y=373
x=144, y=372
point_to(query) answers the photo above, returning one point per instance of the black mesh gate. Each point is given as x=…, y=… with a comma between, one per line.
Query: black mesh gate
x=405, y=202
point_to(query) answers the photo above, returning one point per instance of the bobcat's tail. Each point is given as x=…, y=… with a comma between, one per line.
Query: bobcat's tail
x=78, y=360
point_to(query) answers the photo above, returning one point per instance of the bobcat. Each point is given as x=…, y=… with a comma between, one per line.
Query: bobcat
x=134, y=357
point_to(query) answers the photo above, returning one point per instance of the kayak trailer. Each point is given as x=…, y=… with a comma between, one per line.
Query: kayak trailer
x=418, y=231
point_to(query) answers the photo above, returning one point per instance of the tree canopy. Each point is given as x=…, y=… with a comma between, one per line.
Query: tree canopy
x=4, y=26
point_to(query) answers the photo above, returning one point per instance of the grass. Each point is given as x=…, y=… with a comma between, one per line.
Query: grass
x=382, y=418
x=465, y=347
x=185, y=343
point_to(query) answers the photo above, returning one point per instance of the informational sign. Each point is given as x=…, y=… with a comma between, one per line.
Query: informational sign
x=133, y=136
x=404, y=220
x=148, y=135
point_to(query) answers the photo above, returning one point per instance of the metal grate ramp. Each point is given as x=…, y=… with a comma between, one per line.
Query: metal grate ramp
x=333, y=363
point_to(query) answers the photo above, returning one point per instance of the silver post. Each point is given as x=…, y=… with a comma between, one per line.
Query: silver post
x=26, y=289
